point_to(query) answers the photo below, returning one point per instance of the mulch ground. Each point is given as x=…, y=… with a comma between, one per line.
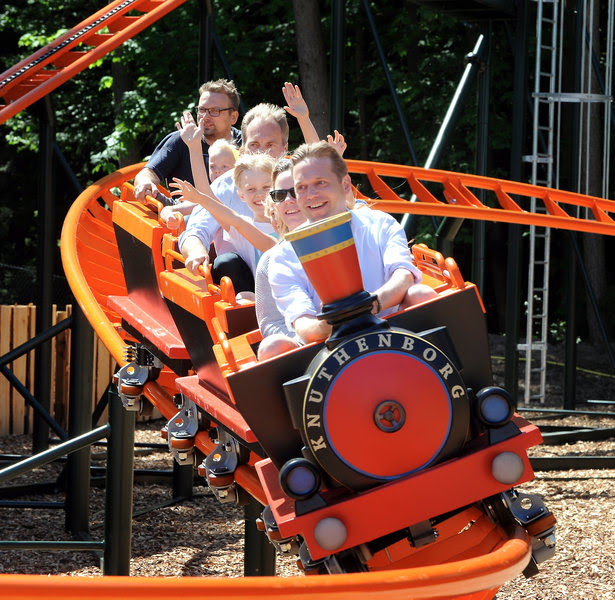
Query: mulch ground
x=201, y=537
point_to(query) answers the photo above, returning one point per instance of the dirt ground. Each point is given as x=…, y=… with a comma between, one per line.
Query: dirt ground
x=200, y=537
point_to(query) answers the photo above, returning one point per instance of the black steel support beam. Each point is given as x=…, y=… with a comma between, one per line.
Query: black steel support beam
x=183, y=479
x=44, y=271
x=568, y=463
x=32, y=343
x=32, y=504
x=80, y=422
x=33, y=402
x=448, y=228
x=259, y=554
x=118, y=497
x=578, y=435
x=72, y=545
x=559, y=412
x=482, y=155
x=570, y=364
x=513, y=261
x=52, y=454
x=9, y=492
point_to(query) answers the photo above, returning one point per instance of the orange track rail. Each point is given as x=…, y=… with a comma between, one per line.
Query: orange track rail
x=473, y=578
x=41, y=73
x=448, y=194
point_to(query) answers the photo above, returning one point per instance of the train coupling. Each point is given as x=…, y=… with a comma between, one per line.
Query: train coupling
x=219, y=469
x=530, y=512
x=181, y=431
x=130, y=380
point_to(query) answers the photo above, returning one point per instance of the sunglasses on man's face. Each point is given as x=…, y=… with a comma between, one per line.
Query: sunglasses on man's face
x=280, y=195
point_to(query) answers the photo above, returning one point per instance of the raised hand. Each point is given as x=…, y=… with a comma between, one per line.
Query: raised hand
x=188, y=129
x=183, y=190
x=337, y=142
x=296, y=105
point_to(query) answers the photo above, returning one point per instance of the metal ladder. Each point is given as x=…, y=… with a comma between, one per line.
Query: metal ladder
x=542, y=162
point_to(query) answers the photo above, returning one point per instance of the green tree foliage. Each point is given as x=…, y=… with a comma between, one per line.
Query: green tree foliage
x=117, y=110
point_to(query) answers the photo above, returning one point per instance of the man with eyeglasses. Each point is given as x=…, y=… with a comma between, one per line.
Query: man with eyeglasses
x=216, y=114
x=264, y=128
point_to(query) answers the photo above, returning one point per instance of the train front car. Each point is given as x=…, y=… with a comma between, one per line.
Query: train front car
x=386, y=446
x=391, y=447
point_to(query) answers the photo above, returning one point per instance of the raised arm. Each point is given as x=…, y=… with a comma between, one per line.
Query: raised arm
x=191, y=134
x=225, y=216
x=337, y=141
x=297, y=107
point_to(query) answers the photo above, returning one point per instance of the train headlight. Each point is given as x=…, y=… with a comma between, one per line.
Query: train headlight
x=507, y=468
x=495, y=406
x=330, y=533
x=299, y=478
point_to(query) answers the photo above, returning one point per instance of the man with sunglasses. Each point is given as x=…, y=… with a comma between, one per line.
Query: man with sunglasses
x=280, y=195
x=216, y=114
x=322, y=184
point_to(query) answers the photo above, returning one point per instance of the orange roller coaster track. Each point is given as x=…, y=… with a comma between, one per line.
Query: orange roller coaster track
x=45, y=70
x=448, y=194
x=474, y=578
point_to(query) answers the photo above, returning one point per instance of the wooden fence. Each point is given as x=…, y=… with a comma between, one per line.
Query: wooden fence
x=17, y=325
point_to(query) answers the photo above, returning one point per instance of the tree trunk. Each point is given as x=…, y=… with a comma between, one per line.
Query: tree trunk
x=359, y=59
x=122, y=83
x=312, y=62
x=593, y=245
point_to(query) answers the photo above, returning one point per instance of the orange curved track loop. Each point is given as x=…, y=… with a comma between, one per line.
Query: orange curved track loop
x=93, y=269
x=475, y=578
x=51, y=66
x=449, y=194
x=91, y=259
x=92, y=265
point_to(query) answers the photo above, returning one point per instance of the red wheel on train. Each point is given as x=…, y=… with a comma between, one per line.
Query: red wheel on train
x=181, y=443
x=220, y=480
x=131, y=390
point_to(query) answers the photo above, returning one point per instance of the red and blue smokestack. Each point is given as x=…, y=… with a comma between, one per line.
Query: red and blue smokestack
x=328, y=254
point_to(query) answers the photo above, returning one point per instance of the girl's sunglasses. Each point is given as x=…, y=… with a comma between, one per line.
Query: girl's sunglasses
x=280, y=195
